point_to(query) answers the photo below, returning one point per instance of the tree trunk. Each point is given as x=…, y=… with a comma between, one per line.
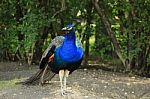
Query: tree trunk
x=128, y=60
x=86, y=50
x=107, y=24
x=87, y=36
x=131, y=59
x=21, y=36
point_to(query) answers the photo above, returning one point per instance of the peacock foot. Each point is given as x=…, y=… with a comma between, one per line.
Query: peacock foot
x=63, y=93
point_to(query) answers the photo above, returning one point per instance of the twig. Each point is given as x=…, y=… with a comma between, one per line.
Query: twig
x=61, y=10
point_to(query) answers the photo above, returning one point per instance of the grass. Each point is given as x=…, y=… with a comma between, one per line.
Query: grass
x=8, y=83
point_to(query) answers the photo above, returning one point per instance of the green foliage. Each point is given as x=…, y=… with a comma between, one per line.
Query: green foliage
x=30, y=25
x=129, y=21
x=8, y=34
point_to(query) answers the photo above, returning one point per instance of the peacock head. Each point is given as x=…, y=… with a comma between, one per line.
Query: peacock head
x=69, y=31
x=70, y=27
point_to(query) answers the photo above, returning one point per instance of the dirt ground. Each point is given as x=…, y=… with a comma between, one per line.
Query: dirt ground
x=81, y=84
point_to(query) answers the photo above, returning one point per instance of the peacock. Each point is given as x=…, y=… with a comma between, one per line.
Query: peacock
x=63, y=56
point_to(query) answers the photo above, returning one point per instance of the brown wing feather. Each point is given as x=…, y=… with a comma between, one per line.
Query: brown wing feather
x=56, y=42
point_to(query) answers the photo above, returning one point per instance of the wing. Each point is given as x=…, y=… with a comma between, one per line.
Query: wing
x=56, y=42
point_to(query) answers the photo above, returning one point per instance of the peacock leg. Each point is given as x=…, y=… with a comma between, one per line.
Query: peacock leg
x=66, y=73
x=61, y=76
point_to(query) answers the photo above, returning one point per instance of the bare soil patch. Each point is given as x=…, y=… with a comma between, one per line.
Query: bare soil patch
x=81, y=84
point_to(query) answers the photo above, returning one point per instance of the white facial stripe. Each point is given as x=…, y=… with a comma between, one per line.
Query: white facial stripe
x=65, y=28
x=70, y=28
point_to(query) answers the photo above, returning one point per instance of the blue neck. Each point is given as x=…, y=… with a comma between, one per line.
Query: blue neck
x=70, y=36
x=68, y=48
x=69, y=41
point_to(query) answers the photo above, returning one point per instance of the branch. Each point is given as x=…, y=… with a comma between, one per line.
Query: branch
x=57, y=12
x=63, y=7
